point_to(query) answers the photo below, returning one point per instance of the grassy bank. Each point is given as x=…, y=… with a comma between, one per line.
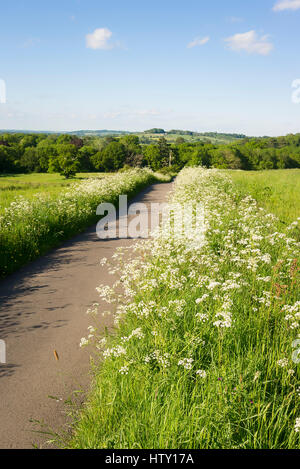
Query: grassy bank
x=31, y=225
x=28, y=185
x=203, y=353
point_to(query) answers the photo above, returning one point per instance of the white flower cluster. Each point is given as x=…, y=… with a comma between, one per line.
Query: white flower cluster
x=187, y=363
x=293, y=316
x=180, y=297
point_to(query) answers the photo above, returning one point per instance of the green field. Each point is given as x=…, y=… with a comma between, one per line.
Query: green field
x=28, y=185
x=277, y=191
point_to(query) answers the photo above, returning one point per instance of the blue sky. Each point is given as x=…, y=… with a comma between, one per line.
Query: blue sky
x=200, y=65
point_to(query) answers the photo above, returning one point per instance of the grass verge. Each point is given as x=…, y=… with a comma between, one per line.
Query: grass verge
x=205, y=349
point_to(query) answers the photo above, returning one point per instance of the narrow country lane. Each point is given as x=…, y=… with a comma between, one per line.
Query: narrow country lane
x=42, y=310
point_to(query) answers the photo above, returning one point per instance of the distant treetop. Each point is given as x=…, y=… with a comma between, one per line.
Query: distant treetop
x=155, y=131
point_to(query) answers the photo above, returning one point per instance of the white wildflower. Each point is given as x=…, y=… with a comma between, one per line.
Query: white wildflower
x=283, y=362
x=83, y=342
x=124, y=370
x=187, y=363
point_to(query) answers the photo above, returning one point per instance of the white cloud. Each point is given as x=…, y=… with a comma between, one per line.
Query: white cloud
x=198, y=41
x=250, y=42
x=99, y=39
x=282, y=5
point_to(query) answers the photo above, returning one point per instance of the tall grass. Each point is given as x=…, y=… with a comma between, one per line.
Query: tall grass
x=31, y=226
x=277, y=191
x=202, y=354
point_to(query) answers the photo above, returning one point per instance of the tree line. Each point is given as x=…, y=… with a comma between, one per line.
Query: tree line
x=68, y=154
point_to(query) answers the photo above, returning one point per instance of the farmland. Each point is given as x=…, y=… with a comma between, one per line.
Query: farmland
x=190, y=137
x=204, y=350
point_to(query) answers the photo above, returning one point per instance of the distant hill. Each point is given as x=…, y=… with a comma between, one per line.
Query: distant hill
x=148, y=136
x=95, y=133
x=98, y=133
x=14, y=131
x=152, y=135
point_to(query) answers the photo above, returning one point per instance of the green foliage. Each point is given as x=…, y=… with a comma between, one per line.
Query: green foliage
x=155, y=131
x=111, y=158
x=29, y=160
x=158, y=149
x=152, y=156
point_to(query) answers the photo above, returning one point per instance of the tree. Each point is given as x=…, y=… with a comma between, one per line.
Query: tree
x=30, y=161
x=152, y=156
x=85, y=154
x=28, y=141
x=179, y=140
x=97, y=161
x=225, y=157
x=8, y=162
x=67, y=160
x=45, y=151
x=111, y=158
x=114, y=155
x=164, y=152
x=155, y=131
x=134, y=156
x=201, y=156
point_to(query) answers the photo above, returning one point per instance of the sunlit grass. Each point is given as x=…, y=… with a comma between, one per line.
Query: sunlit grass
x=28, y=185
x=202, y=356
x=277, y=191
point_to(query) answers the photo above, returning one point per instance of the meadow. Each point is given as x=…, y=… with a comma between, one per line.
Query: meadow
x=277, y=191
x=206, y=341
x=38, y=211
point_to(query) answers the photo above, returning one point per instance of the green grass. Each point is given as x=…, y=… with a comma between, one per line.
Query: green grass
x=277, y=191
x=28, y=185
x=218, y=308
